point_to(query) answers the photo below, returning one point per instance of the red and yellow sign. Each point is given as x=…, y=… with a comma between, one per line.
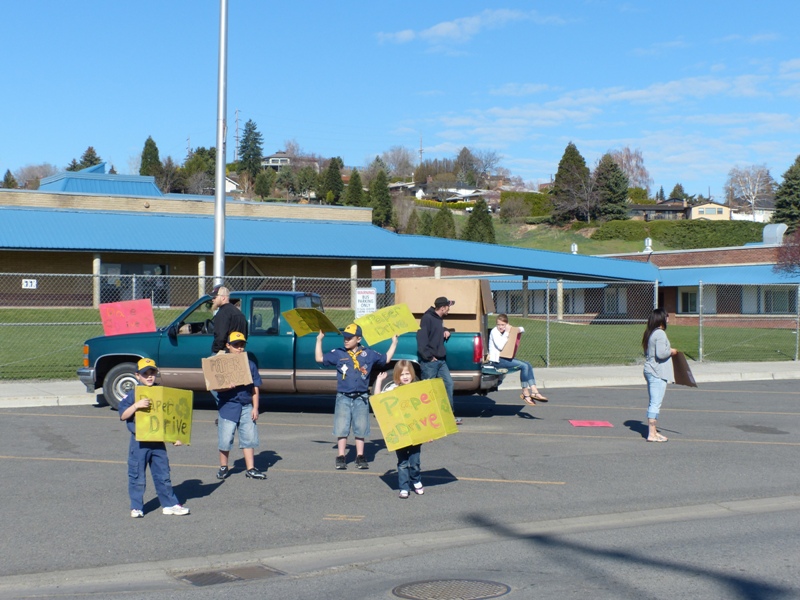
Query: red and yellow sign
x=131, y=316
x=414, y=414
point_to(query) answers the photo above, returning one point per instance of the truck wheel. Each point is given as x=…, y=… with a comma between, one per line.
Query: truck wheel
x=119, y=381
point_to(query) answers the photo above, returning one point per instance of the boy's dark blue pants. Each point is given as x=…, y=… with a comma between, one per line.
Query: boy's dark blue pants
x=140, y=456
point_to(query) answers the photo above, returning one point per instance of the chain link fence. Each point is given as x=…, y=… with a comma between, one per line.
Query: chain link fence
x=44, y=318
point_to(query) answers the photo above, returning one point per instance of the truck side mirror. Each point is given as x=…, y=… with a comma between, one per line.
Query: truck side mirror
x=172, y=332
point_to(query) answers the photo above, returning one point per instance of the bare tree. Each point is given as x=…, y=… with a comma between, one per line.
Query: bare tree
x=292, y=148
x=199, y=182
x=789, y=254
x=29, y=176
x=400, y=161
x=750, y=186
x=486, y=162
x=579, y=195
x=632, y=164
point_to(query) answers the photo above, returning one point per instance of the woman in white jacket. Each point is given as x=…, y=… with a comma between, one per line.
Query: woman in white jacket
x=657, y=368
x=498, y=339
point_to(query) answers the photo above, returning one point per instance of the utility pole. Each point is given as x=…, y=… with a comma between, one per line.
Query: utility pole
x=420, y=150
x=236, y=147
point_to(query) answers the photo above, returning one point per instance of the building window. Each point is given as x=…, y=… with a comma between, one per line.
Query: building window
x=779, y=301
x=687, y=300
x=615, y=301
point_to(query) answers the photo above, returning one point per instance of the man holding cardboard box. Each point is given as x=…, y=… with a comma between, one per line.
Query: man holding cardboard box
x=431, y=339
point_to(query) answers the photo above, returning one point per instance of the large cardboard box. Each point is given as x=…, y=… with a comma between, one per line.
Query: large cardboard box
x=473, y=299
x=512, y=344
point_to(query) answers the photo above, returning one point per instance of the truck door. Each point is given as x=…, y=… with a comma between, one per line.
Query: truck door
x=271, y=345
x=179, y=355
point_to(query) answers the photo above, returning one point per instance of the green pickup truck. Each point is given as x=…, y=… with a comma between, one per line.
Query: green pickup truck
x=285, y=361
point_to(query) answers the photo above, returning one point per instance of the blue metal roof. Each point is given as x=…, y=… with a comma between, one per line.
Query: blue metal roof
x=732, y=275
x=97, y=231
x=94, y=180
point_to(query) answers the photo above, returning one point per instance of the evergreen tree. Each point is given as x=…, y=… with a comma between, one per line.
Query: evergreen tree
x=787, y=198
x=150, y=163
x=9, y=182
x=380, y=200
x=74, y=166
x=425, y=223
x=332, y=182
x=678, y=192
x=305, y=180
x=251, y=150
x=444, y=225
x=265, y=181
x=413, y=224
x=570, y=184
x=611, y=184
x=480, y=226
x=355, y=191
x=90, y=158
x=286, y=181
x=660, y=197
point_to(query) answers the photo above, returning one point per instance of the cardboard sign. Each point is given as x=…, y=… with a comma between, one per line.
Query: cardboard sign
x=509, y=351
x=414, y=414
x=224, y=371
x=681, y=371
x=131, y=316
x=169, y=417
x=383, y=324
x=308, y=320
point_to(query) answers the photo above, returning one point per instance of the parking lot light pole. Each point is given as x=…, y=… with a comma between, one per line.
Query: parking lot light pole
x=222, y=107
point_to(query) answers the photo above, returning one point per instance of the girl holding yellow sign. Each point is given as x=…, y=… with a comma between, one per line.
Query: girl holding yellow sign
x=408, y=468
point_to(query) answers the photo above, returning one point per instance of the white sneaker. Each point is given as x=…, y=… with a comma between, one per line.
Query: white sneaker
x=175, y=510
x=136, y=513
x=418, y=489
x=403, y=494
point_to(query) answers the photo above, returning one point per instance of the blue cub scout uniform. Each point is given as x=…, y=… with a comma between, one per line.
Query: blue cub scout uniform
x=351, y=379
x=231, y=401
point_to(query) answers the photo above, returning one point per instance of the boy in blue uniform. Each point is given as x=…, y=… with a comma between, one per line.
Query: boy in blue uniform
x=142, y=454
x=238, y=409
x=353, y=367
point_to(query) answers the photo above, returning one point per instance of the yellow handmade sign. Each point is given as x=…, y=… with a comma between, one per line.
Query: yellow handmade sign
x=386, y=322
x=169, y=417
x=308, y=320
x=225, y=371
x=414, y=413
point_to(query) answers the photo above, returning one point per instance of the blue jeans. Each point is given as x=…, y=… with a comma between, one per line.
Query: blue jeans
x=351, y=413
x=526, y=377
x=408, y=466
x=656, y=388
x=140, y=456
x=248, y=432
x=438, y=368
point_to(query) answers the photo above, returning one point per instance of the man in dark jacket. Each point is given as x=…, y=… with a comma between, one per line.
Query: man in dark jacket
x=227, y=318
x=431, y=339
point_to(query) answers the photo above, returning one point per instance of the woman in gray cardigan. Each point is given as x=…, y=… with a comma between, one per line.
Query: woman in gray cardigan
x=657, y=368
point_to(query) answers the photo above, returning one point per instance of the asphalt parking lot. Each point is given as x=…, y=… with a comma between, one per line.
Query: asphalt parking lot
x=514, y=487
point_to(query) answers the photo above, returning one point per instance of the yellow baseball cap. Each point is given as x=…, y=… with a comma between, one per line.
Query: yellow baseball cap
x=236, y=336
x=351, y=330
x=146, y=364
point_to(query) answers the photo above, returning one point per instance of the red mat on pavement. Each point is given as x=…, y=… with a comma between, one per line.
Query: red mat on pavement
x=590, y=423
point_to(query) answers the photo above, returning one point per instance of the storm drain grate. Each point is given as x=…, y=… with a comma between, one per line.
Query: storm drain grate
x=203, y=578
x=451, y=589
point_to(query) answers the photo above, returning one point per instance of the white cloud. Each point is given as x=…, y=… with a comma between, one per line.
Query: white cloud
x=519, y=89
x=463, y=29
x=790, y=69
x=757, y=38
x=659, y=48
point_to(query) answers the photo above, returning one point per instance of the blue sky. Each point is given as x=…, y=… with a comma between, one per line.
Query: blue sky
x=698, y=86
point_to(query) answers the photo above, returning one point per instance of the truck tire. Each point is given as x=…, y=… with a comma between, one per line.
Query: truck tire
x=118, y=382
